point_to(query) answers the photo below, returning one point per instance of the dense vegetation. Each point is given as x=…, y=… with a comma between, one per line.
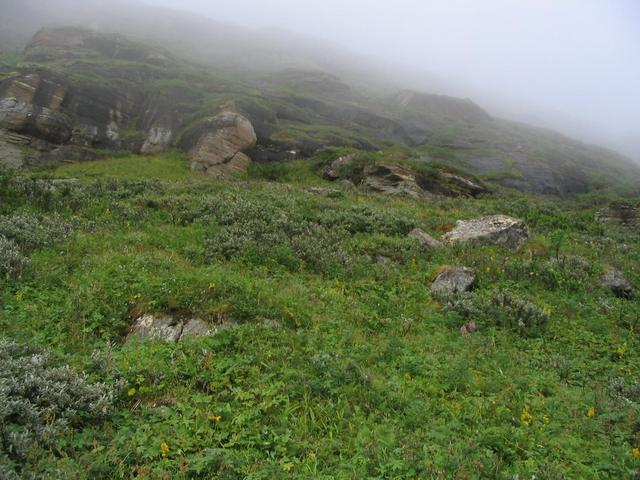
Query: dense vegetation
x=341, y=365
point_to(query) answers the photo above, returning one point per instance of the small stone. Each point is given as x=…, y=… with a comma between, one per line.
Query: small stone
x=424, y=238
x=614, y=280
x=453, y=281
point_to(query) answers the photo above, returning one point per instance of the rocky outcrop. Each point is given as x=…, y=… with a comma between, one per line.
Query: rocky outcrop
x=453, y=281
x=392, y=180
x=169, y=329
x=424, y=239
x=621, y=213
x=30, y=104
x=217, y=146
x=497, y=229
x=14, y=149
x=615, y=280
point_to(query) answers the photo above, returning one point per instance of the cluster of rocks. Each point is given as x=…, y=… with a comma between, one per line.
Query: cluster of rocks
x=500, y=230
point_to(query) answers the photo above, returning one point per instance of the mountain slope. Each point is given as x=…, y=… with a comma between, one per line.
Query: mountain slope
x=78, y=90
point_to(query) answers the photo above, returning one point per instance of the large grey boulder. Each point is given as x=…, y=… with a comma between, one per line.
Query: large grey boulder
x=453, y=281
x=424, y=238
x=615, y=280
x=496, y=229
x=220, y=146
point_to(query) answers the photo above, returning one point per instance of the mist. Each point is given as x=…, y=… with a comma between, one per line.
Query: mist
x=571, y=65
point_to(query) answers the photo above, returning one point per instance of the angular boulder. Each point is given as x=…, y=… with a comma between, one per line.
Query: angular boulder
x=392, y=180
x=496, y=229
x=615, y=280
x=453, y=281
x=220, y=144
x=424, y=238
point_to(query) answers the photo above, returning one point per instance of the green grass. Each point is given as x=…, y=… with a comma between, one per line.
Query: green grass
x=337, y=370
x=172, y=166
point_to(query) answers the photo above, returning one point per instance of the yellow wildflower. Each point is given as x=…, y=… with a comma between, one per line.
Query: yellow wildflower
x=131, y=392
x=215, y=418
x=635, y=453
x=622, y=349
x=591, y=412
x=526, y=417
x=164, y=449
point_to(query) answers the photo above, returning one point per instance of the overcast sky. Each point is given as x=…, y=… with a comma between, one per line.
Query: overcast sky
x=577, y=57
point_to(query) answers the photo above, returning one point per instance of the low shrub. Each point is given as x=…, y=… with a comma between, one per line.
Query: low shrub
x=30, y=232
x=40, y=401
x=12, y=261
x=502, y=309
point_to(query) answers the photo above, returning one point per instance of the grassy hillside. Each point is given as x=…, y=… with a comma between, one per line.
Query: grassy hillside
x=338, y=363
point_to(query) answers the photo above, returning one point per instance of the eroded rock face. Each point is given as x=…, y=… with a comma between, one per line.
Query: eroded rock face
x=424, y=238
x=169, y=329
x=615, y=280
x=453, y=281
x=219, y=147
x=158, y=140
x=392, y=180
x=496, y=229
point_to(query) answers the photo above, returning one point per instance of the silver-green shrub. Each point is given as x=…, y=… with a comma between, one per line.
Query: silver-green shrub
x=12, y=261
x=40, y=401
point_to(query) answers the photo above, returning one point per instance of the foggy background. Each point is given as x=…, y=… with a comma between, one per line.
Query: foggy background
x=572, y=65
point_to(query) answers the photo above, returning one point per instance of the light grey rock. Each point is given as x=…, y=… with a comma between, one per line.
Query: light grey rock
x=453, y=281
x=197, y=328
x=153, y=327
x=496, y=229
x=615, y=280
x=169, y=329
x=424, y=238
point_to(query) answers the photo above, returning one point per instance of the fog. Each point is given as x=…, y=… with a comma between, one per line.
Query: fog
x=573, y=65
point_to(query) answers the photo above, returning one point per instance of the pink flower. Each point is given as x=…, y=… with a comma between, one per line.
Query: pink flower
x=468, y=328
